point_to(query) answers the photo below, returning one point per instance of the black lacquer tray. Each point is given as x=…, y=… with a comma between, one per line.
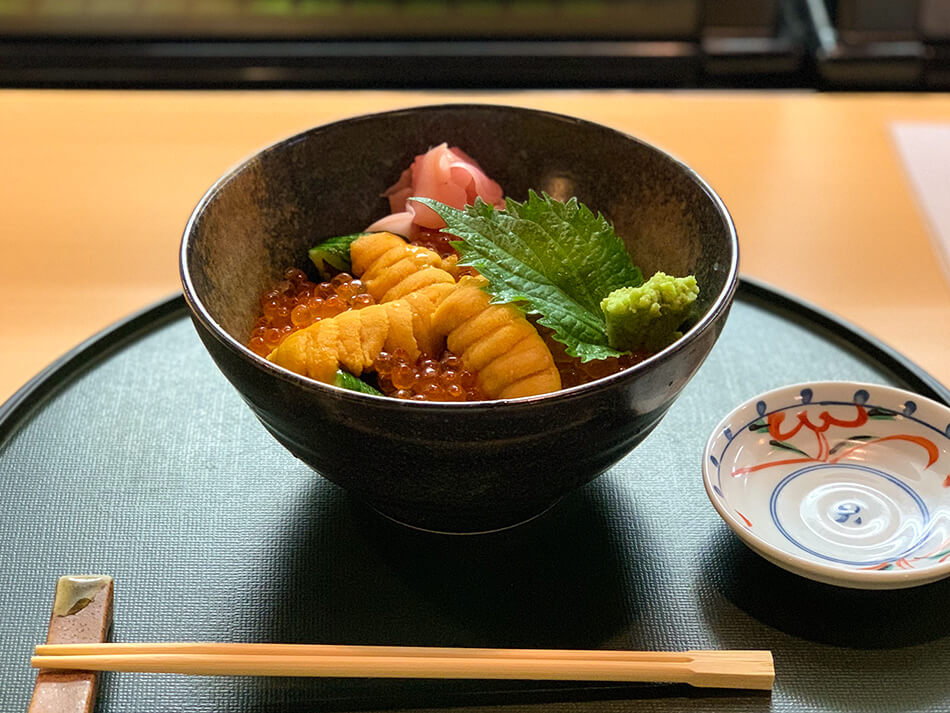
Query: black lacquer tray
x=132, y=456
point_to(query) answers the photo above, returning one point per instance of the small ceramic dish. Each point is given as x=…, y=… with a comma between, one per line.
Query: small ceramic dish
x=840, y=482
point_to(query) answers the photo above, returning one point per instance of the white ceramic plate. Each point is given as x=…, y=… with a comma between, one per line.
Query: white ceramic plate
x=841, y=482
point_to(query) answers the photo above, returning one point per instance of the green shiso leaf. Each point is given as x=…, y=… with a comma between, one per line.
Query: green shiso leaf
x=557, y=260
x=335, y=253
x=577, y=249
x=346, y=380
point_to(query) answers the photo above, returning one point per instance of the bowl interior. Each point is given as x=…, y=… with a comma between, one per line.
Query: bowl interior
x=842, y=482
x=264, y=216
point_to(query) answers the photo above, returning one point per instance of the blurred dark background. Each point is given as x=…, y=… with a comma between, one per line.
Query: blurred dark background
x=828, y=44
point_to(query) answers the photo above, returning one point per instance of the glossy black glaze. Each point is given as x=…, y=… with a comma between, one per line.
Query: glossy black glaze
x=452, y=467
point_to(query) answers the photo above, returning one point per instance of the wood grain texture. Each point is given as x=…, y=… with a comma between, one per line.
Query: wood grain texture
x=99, y=185
x=708, y=669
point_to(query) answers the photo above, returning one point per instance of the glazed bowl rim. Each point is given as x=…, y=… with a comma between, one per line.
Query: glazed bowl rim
x=202, y=315
x=828, y=573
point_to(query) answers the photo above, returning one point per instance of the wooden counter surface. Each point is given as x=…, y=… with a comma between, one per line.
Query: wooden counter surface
x=96, y=188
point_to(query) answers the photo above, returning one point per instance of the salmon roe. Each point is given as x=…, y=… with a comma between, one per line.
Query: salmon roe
x=434, y=240
x=295, y=302
x=575, y=373
x=426, y=379
x=439, y=242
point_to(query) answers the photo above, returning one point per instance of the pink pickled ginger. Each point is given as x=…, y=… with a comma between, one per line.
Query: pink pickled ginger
x=448, y=175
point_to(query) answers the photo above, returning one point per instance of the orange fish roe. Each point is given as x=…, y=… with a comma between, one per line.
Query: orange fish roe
x=574, y=373
x=295, y=302
x=434, y=240
x=425, y=379
x=439, y=242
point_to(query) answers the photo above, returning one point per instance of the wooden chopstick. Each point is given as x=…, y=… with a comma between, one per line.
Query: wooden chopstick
x=713, y=669
x=201, y=647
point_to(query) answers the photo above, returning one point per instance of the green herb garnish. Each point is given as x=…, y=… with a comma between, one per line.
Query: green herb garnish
x=557, y=260
x=565, y=263
x=334, y=253
x=346, y=380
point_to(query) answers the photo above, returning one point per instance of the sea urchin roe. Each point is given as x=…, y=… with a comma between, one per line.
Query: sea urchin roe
x=425, y=378
x=295, y=302
x=496, y=341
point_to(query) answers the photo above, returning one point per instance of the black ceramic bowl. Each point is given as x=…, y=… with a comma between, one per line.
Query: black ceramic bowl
x=454, y=467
